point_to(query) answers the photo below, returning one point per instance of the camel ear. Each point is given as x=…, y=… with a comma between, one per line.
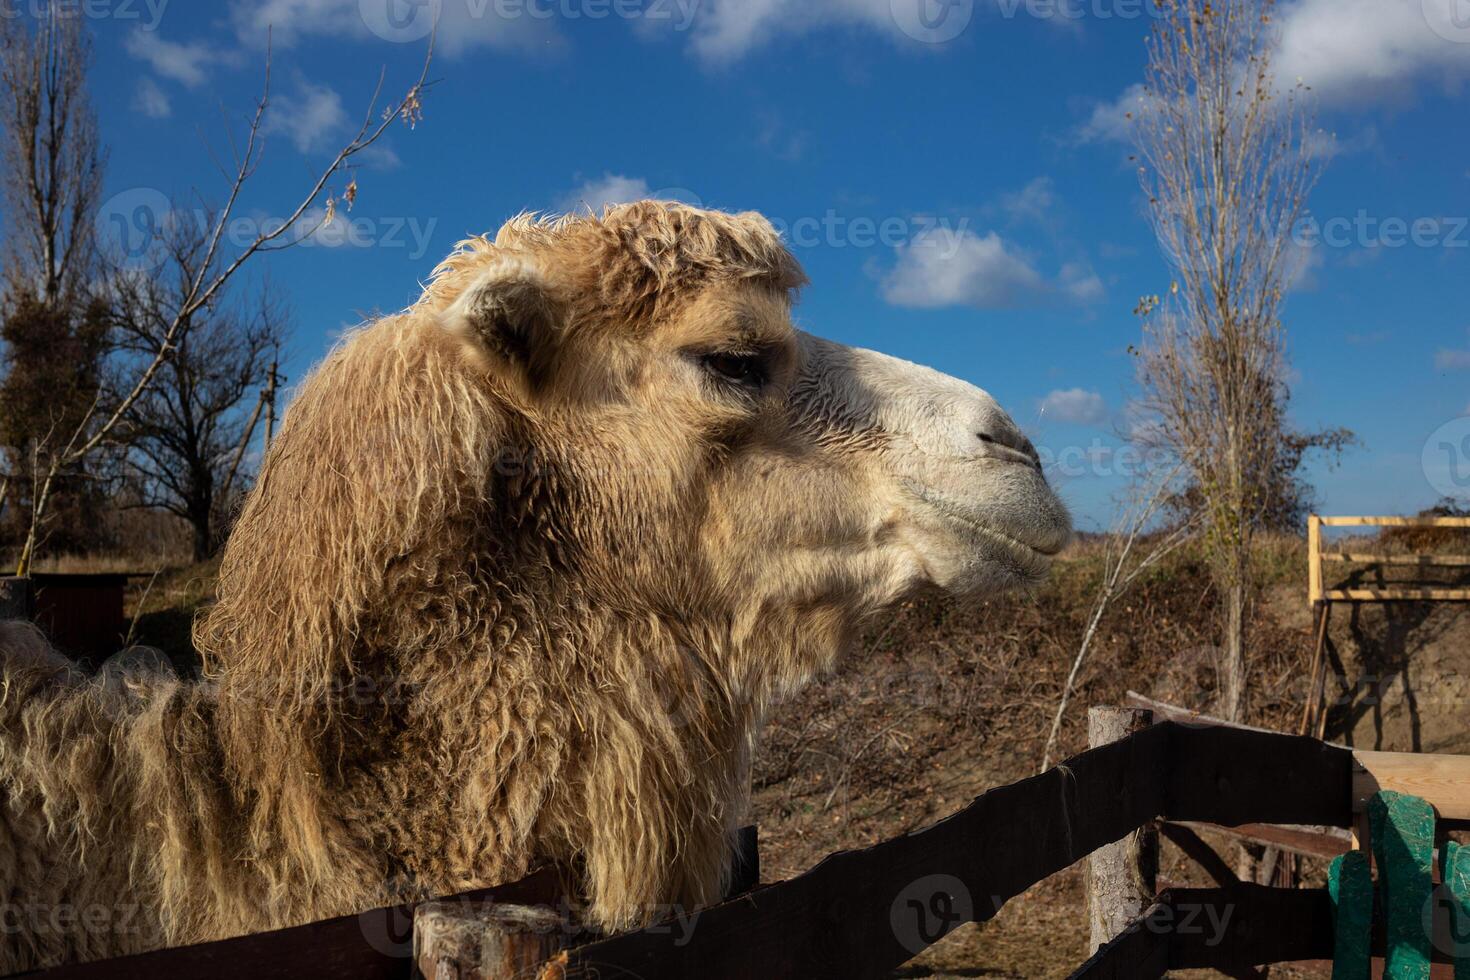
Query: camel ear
x=508, y=314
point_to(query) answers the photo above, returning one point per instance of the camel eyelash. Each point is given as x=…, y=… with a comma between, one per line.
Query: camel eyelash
x=746, y=369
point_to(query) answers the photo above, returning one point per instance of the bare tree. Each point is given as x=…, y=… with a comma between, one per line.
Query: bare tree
x=51, y=153
x=186, y=433
x=101, y=426
x=1227, y=173
x=52, y=176
x=1122, y=565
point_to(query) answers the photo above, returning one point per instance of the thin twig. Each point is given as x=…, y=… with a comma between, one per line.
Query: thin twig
x=138, y=613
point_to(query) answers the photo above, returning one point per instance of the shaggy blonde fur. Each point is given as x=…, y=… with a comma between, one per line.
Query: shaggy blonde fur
x=499, y=597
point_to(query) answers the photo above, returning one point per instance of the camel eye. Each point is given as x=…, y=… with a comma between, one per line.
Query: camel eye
x=743, y=369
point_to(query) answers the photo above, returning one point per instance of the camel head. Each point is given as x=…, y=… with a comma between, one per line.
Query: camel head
x=688, y=453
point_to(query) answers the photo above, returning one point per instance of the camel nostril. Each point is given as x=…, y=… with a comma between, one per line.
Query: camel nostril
x=1014, y=441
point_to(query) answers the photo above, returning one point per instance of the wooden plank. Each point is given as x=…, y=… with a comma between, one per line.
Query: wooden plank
x=1430, y=561
x=1321, y=842
x=1314, y=559
x=1246, y=925
x=1163, y=711
x=1397, y=595
x=863, y=913
x=1233, y=776
x=376, y=945
x=1396, y=522
x=1140, y=952
x=1318, y=674
x=1403, y=851
x=1350, y=886
x=1456, y=877
x=1442, y=780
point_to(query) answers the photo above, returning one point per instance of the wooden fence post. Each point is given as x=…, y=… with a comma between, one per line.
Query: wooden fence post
x=1314, y=559
x=491, y=942
x=1121, y=877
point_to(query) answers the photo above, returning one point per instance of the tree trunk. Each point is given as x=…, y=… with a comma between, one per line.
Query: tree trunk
x=203, y=526
x=1121, y=877
x=1232, y=670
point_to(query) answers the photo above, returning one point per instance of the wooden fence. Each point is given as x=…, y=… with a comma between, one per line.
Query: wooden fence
x=863, y=913
x=1317, y=556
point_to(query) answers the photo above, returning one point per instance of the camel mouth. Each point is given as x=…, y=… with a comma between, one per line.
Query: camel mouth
x=1045, y=542
x=989, y=549
x=1027, y=563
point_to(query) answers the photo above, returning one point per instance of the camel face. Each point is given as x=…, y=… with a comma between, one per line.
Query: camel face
x=725, y=464
x=959, y=493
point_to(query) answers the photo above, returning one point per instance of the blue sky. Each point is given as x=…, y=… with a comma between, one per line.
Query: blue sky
x=953, y=174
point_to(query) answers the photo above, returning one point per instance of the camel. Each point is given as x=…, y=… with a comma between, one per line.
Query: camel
x=524, y=571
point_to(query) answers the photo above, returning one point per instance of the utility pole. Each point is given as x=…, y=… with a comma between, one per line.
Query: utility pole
x=272, y=383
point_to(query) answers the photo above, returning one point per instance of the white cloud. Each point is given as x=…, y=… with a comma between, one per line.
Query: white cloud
x=1033, y=202
x=724, y=31
x=945, y=267
x=151, y=100
x=186, y=63
x=782, y=141
x=1075, y=405
x=1349, y=52
x=1452, y=360
x=949, y=267
x=1363, y=50
x=1078, y=281
x=1300, y=263
x=1110, y=121
x=1324, y=145
x=608, y=189
x=460, y=26
x=311, y=116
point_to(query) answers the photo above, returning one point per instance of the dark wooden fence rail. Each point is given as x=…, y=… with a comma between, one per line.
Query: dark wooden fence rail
x=845, y=916
x=863, y=913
